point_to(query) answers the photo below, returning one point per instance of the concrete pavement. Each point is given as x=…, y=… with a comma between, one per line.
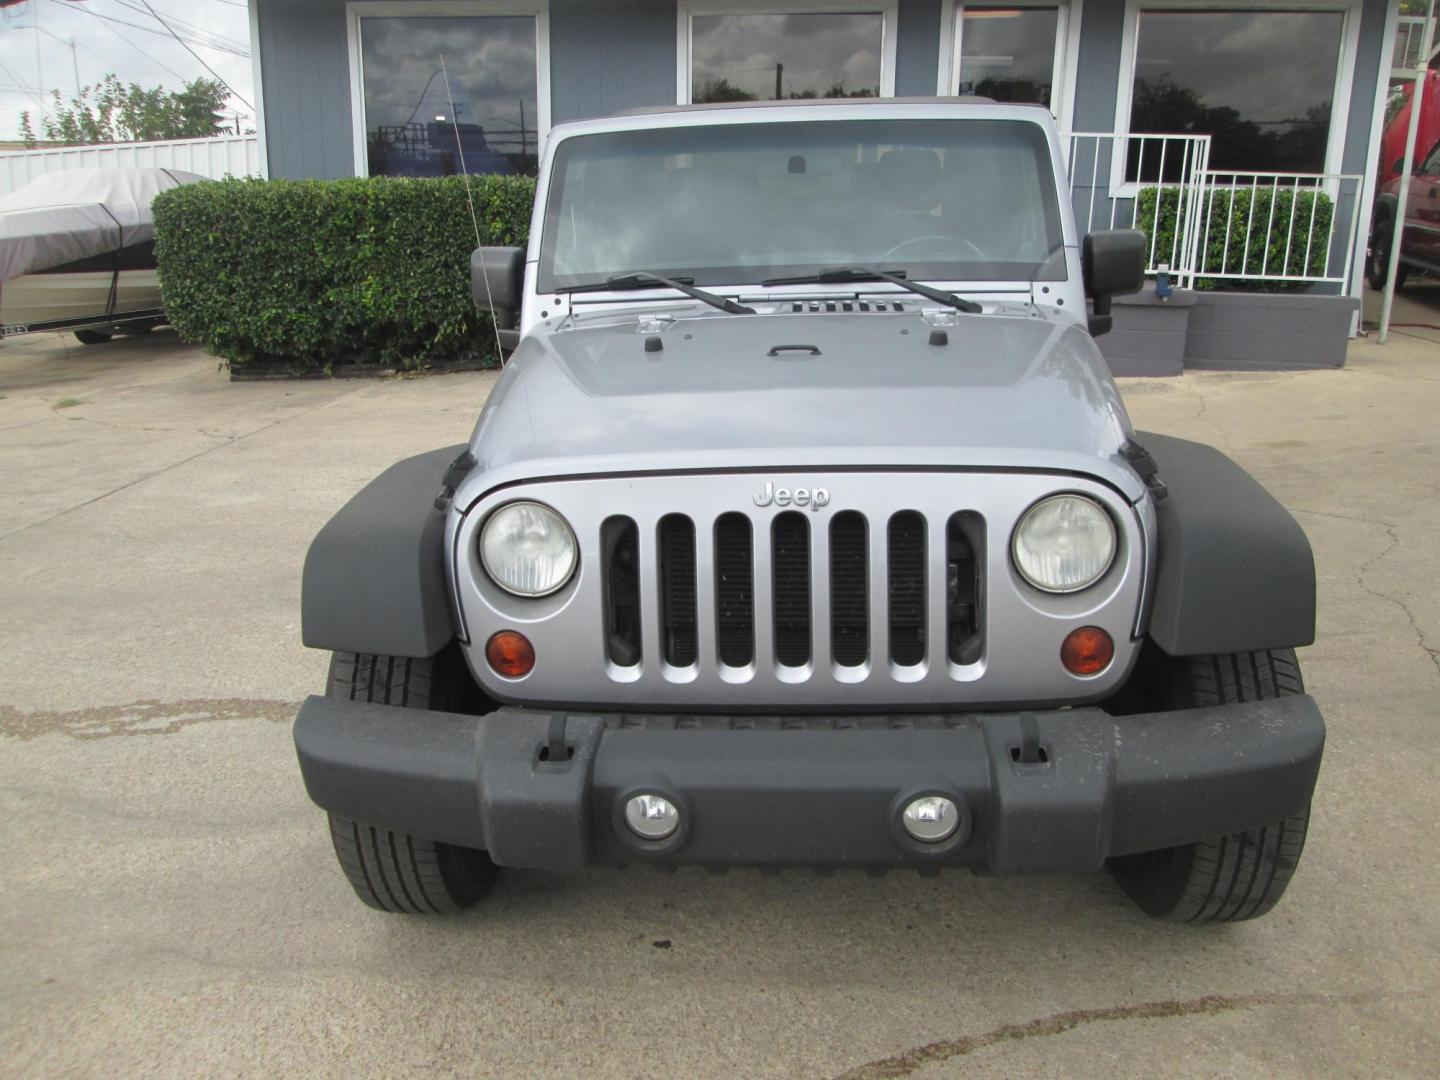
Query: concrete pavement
x=172, y=907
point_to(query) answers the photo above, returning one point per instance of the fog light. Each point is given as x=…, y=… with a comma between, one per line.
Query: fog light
x=931, y=819
x=1087, y=651
x=510, y=654
x=651, y=817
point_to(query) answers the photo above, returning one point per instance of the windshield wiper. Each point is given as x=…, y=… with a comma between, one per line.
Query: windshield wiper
x=836, y=275
x=644, y=280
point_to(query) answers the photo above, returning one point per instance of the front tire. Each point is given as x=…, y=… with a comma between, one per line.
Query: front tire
x=1225, y=878
x=1377, y=263
x=407, y=875
x=395, y=871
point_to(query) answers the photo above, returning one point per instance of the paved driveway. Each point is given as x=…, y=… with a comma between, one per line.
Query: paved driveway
x=171, y=905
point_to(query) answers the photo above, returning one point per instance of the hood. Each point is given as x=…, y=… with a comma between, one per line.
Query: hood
x=823, y=390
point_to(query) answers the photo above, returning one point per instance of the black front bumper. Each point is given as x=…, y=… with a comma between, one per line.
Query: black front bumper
x=1063, y=789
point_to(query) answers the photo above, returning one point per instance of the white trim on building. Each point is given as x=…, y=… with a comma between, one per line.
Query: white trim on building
x=1339, y=99
x=357, y=10
x=1069, y=19
x=686, y=10
x=258, y=90
x=1355, y=286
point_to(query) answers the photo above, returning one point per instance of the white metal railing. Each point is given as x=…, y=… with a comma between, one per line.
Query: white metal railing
x=1406, y=56
x=217, y=157
x=1300, y=228
x=1225, y=225
x=1129, y=181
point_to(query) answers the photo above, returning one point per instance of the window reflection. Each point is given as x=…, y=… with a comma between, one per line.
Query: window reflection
x=1008, y=53
x=1260, y=83
x=409, y=128
x=775, y=57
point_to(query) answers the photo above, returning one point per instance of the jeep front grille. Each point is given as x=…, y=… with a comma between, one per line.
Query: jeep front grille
x=799, y=558
x=697, y=591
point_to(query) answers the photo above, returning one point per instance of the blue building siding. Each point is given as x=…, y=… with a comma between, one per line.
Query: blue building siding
x=305, y=74
x=607, y=55
x=917, y=48
x=611, y=56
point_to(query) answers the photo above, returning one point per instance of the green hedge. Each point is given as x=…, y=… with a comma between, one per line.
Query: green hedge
x=307, y=274
x=1231, y=217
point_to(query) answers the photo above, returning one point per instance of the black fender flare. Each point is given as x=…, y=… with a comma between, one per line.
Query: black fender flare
x=1234, y=571
x=375, y=579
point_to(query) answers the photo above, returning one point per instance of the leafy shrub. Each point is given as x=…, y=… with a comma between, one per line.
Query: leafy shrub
x=1226, y=215
x=312, y=273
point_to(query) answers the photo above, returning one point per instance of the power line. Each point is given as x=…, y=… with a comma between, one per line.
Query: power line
x=198, y=34
x=158, y=33
x=137, y=48
x=34, y=95
x=197, y=56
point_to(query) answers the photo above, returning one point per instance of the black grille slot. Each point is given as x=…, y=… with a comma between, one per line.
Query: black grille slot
x=907, y=588
x=734, y=590
x=677, y=589
x=790, y=560
x=849, y=593
x=964, y=587
x=620, y=560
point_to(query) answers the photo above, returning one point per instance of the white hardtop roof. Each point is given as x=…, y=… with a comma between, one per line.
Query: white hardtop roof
x=772, y=112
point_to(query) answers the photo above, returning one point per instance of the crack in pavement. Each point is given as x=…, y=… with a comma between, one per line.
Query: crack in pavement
x=184, y=461
x=903, y=1064
x=1393, y=532
x=139, y=717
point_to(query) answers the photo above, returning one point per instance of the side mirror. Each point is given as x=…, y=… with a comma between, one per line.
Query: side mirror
x=1113, y=264
x=497, y=281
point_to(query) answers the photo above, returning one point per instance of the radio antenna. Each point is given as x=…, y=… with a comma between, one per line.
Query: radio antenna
x=470, y=201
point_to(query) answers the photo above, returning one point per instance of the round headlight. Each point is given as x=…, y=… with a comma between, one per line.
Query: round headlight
x=527, y=549
x=1064, y=543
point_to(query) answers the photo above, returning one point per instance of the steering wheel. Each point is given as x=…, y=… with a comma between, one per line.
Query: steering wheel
x=951, y=241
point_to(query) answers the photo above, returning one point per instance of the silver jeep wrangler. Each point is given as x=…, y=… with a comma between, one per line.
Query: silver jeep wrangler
x=807, y=526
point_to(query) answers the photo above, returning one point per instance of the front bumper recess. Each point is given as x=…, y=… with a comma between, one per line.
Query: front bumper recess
x=1062, y=789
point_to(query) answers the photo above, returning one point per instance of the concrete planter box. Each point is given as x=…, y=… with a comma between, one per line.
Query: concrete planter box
x=1268, y=331
x=1150, y=334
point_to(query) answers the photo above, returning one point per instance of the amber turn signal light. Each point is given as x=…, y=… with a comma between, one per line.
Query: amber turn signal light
x=1087, y=651
x=510, y=654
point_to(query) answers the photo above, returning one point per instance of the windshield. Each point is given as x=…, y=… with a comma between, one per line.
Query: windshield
x=949, y=200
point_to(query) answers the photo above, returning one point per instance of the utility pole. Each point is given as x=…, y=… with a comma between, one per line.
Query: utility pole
x=39, y=69
x=75, y=63
x=779, y=81
x=524, y=136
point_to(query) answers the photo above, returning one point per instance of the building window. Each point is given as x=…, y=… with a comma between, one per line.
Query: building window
x=1008, y=53
x=803, y=49
x=1262, y=84
x=406, y=125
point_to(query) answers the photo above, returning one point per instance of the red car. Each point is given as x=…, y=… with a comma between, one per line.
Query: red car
x=1420, y=240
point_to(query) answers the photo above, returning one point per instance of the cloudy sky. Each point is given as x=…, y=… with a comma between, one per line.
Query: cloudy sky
x=118, y=36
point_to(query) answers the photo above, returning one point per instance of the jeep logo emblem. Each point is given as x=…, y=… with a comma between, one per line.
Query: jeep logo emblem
x=814, y=498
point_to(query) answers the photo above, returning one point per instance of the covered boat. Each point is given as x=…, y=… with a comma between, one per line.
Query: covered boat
x=77, y=252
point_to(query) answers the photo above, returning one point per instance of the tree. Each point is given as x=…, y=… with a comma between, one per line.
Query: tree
x=111, y=112
x=721, y=89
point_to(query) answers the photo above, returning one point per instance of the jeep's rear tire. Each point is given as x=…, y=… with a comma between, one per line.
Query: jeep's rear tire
x=1225, y=878
x=395, y=871
x=93, y=337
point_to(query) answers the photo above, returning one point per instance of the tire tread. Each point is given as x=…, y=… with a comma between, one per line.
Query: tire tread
x=390, y=870
x=1242, y=875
